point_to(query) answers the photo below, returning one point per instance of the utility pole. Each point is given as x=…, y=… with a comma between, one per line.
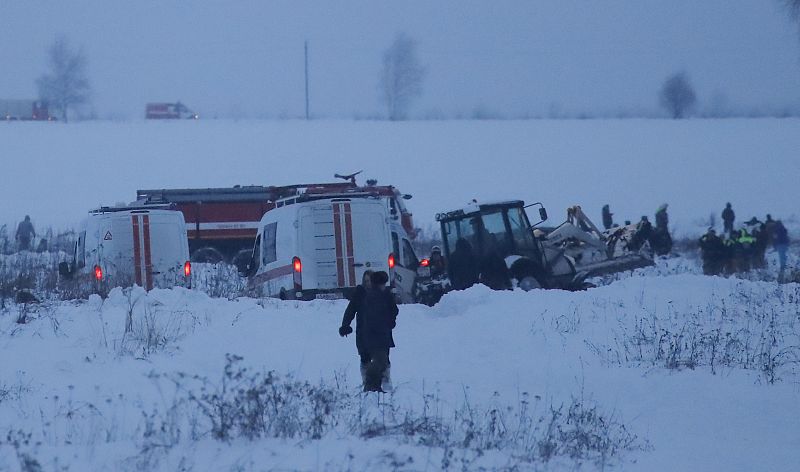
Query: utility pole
x=306, y=56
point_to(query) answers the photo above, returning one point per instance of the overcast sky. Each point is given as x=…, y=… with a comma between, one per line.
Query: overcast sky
x=245, y=58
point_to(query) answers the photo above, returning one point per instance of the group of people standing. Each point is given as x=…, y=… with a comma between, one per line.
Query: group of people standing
x=739, y=250
x=374, y=309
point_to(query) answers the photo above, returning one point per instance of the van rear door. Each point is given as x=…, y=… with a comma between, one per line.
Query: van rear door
x=371, y=241
x=139, y=227
x=159, y=247
x=168, y=249
x=348, y=237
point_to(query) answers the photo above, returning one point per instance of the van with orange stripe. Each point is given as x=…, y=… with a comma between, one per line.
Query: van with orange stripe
x=318, y=247
x=128, y=245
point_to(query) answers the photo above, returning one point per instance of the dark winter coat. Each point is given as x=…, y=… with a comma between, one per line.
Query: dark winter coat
x=463, y=266
x=662, y=220
x=781, y=236
x=356, y=299
x=375, y=320
x=375, y=313
x=494, y=273
x=437, y=265
x=608, y=222
x=25, y=231
x=728, y=216
x=712, y=246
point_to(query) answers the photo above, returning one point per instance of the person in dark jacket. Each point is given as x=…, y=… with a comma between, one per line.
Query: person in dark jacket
x=780, y=242
x=356, y=302
x=494, y=272
x=376, y=317
x=662, y=219
x=769, y=229
x=644, y=232
x=437, y=262
x=463, y=266
x=713, y=252
x=728, y=216
x=608, y=221
x=25, y=233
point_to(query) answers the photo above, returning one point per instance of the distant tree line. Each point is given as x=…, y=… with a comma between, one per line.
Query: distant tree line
x=65, y=87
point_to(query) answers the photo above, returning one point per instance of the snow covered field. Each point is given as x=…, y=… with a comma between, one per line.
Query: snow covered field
x=660, y=369
x=56, y=172
x=653, y=372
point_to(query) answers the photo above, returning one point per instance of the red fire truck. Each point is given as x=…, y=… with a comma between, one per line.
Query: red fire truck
x=222, y=223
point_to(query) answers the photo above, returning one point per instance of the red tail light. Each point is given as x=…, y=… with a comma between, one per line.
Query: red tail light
x=391, y=261
x=297, y=276
x=187, y=269
x=98, y=272
x=424, y=263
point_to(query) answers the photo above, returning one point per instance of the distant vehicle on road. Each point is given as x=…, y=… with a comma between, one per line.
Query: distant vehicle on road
x=24, y=110
x=169, y=111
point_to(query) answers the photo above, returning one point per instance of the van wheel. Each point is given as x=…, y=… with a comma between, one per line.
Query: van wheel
x=529, y=283
x=207, y=255
x=242, y=259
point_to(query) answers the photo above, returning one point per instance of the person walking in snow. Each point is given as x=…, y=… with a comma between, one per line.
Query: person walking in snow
x=375, y=312
x=25, y=234
x=353, y=307
x=728, y=216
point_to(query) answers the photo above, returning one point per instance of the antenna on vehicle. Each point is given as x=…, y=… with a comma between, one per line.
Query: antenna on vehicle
x=350, y=177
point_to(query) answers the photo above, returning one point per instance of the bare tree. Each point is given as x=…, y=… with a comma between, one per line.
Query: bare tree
x=677, y=95
x=401, y=76
x=794, y=8
x=65, y=85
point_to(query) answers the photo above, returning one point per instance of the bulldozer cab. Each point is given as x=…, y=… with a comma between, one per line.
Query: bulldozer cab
x=499, y=229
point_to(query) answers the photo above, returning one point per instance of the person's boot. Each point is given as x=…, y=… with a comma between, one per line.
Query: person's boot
x=386, y=381
x=364, y=376
x=372, y=379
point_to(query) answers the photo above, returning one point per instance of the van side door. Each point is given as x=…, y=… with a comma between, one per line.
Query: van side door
x=405, y=269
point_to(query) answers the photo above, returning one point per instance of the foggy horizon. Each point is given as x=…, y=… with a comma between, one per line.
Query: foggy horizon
x=516, y=59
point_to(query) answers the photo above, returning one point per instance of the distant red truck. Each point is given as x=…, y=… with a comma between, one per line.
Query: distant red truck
x=169, y=111
x=222, y=223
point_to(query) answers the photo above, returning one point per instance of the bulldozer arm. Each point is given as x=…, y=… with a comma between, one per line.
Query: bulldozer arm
x=596, y=252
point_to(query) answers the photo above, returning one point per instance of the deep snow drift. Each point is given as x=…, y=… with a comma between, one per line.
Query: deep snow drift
x=56, y=172
x=689, y=372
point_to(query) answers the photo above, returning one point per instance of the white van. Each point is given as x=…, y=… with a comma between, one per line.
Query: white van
x=320, y=248
x=124, y=246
